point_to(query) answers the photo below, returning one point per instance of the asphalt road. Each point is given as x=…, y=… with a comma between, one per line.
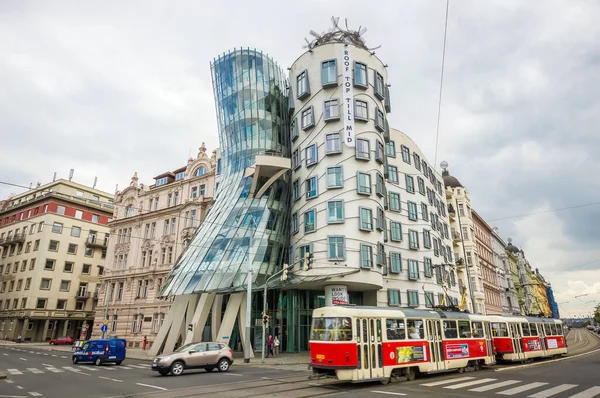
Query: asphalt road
x=37, y=372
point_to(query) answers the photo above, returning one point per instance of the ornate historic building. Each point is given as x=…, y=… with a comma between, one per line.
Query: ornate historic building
x=53, y=240
x=508, y=292
x=152, y=225
x=485, y=257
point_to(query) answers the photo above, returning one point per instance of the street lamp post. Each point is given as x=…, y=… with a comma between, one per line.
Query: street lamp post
x=462, y=241
x=249, y=298
x=108, y=295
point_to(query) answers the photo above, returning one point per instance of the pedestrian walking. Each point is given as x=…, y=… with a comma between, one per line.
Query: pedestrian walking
x=145, y=343
x=269, y=346
x=276, y=346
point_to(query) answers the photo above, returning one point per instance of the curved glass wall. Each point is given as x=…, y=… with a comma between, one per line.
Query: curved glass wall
x=251, y=97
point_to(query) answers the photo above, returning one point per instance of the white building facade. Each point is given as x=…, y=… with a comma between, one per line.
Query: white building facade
x=508, y=292
x=365, y=202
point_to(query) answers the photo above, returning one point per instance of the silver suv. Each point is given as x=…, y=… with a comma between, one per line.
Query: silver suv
x=208, y=356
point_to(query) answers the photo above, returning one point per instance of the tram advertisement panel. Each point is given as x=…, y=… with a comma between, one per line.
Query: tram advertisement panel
x=457, y=351
x=403, y=353
x=531, y=344
x=552, y=343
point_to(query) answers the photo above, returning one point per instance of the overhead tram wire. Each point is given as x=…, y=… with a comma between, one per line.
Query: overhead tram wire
x=437, y=133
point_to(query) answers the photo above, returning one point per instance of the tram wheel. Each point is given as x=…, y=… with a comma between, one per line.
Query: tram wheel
x=385, y=381
x=410, y=374
x=461, y=370
x=476, y=366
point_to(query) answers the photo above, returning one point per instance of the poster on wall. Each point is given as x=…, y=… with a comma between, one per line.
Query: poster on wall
x=339, y=295
x=410, y=354
x=552, y=343
x=457, y=351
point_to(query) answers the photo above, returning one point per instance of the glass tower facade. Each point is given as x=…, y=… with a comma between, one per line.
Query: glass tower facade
x=251, y=96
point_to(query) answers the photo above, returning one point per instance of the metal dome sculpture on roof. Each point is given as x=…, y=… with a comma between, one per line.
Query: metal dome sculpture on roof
x=511, y=248
x=339, y=35
x=449, y=181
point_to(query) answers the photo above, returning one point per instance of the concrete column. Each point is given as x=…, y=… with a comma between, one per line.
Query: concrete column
x=45, y=331
x=199, y=318
x=175, y=324
x=64, y=329
x=236, y=306
x=24, y=328
x=216, y=317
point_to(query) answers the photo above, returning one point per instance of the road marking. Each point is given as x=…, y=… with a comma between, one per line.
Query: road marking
x=495, y=385
x=22, y=359
x=546, y=362
x=20, y=388
x=232, y=374
x=5, y=354
x=139, y=366
x=50, y=366
x=447, y=381
x=151, y=386
x=35, y=394
x=12, y=396
x=124, y=367
x=108, y=378
x=9, y=381
x=589, y=393
x=46, y=354
x=62, y=356
x=39, y=353
x=553, y=391
x=31, y=352
x=53, y=355
x=108, y=368
x=388, y=393
x=35, y=370
x=14, y=371
x=525, y=387
x=468, y=383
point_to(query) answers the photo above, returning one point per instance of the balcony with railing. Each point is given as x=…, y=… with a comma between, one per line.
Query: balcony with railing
x=12, y=239
x=83, y=295
x=95, y=241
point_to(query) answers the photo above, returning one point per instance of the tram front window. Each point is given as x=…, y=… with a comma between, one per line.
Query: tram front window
x=331, y=329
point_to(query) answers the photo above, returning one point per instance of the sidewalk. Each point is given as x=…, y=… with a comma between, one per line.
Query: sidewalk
x=301, y=358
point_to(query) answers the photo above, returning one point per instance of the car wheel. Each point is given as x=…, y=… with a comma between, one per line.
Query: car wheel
x=51, y=343
x=177, y=368
x=223, y=365
x=75, y=360
x=163, y=372
x=119, y=362
x=98, y=361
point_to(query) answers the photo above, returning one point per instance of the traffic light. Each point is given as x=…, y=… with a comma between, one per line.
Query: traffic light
x=266, y=319
x=191, y=327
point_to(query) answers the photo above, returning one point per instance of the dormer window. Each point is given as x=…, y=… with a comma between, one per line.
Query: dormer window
x=161, y=181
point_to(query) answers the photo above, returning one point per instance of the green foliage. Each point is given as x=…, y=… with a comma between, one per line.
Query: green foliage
x=597, y=314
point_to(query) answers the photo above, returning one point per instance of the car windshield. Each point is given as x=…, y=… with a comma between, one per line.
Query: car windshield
x=185, y=347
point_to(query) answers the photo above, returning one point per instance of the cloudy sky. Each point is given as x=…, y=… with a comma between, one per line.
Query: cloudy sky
x=109, y=88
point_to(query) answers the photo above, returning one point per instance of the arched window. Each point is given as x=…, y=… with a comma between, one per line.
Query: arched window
x=200, y=171
x=129, y=211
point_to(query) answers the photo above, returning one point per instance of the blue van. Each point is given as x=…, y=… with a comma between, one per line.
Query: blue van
x=101, y=351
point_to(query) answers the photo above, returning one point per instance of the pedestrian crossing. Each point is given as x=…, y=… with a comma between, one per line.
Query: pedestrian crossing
x=515, y=388
x=75, y=369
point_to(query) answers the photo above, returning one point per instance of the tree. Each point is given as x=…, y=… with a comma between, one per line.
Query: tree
x=597, y=314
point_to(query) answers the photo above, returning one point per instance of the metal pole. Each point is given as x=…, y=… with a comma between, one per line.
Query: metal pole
x=106, y=298
x=266, y=307
x=462, y=241
x=249, y=299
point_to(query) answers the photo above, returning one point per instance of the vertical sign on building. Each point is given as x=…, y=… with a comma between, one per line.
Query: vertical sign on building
x=348, y=97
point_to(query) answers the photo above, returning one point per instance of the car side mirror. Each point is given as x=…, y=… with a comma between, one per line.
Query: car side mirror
x=192, y=351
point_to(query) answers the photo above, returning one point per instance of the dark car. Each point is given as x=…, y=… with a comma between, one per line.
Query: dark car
x=207, y=356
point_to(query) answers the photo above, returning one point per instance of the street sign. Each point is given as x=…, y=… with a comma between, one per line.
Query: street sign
x=105, y=321
x=103, y=328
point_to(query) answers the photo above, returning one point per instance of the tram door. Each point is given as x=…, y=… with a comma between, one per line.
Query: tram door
x=515, y=334
x=434, y=337
x=370, y=348
x=542, y=336
x=489, y=342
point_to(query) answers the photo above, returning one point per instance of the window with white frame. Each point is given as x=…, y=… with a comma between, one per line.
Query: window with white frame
x=365, y=219
x=429, y=299
x=393, y=174
x=295, y=159
x=363, y=150
x=311, y=155
x=379, y=184
x=363, y=184
x=405, y=154
x=380, y=219
x=379, y=120
x=413, y=239
x=294, y=129
x=393, y=297
x=331, y=110
x=295, y=223
x=395, y=201
x=412, y=211
x=137, y=323
x=426, y=239
x=336, y=247
x=379, y=86
x=308, y=118
x=302, y=86
x=390, y=149
x=361, y=110
x=310, y=221
x=379, y=152
x=335, y=211
x=360, y=75
x=329, y=76
x=417, y=161
x=410, y=184
x=57, y=228
x=395, y=231
x=421, y=184
x=333, y=143
x=428, y=267
x=366, y=256
x=296, y=189
x=311, y=187
x=335, y=177
x=413, y=298
x=395, y=262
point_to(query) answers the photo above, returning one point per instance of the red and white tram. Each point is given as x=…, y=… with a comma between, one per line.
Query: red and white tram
x=357, y=344
x=378, y=343
x=520, y=338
